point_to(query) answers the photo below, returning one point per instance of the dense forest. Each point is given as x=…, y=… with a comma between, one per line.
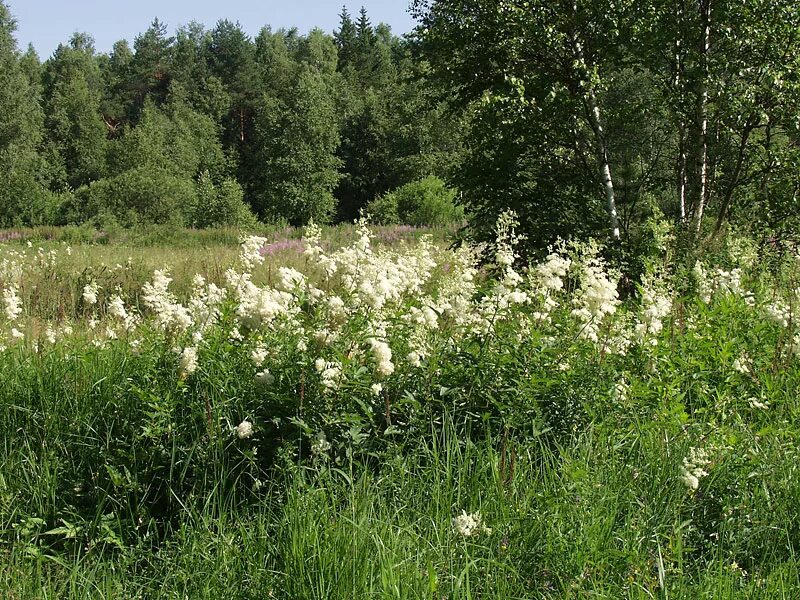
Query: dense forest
x=211, y=127
x=585, y=118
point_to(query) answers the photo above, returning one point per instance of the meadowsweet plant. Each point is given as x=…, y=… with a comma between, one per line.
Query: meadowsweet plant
x=597, y=298
x=470, y=525
x=694, y=468
x=425, y=377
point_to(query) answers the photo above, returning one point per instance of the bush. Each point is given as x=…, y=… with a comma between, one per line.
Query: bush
x=25, y=202
x=219, y=206
x=426, y=202
x=139, y=196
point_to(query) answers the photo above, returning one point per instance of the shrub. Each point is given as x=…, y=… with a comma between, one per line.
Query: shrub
x=219, y=206
x=423, y=202
x=139, y=196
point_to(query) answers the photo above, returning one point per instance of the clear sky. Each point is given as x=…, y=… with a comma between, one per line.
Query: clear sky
x=46, y=23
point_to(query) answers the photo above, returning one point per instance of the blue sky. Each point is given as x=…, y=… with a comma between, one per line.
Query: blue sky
x=46, y=23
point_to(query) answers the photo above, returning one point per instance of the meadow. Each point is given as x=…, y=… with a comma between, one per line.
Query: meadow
x=359, y=412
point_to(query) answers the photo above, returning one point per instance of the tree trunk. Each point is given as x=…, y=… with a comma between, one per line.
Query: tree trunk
x=605, y=168
x=701, y=184
x=678, y=83
x=587, y=91
x=737, y=173
x=682, y=173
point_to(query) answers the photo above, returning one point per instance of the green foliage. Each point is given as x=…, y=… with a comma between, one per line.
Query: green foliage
x=126, y=472
x=147, y=194
x=177, y=139
x=427, y=202
x=23, y=197
x=74, y=125
x=220, y=206
x=297, y=137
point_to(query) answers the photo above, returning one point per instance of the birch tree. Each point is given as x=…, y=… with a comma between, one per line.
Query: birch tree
x=553, y=52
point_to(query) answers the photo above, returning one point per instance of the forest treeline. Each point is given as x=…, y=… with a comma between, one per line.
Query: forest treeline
x=210, y=127
x=628, y=120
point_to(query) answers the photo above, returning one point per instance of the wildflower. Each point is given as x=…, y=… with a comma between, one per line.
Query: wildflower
x=250, y=251
x=414, y=359
x=259, y=355
x=694, y=468
x=700, y=276
x=244, y=430
x=376, y=388
x=188, y=361
x=116, y=308
x=17, y=334
x=596, y=299
x=169, y=313
x=656, y=306
x=90, y=291
x=320, y=446
x=469, y=525
x=12, y=302
x=551, y=273
x=290, y=280
x=779, y=312
x=383, y=357
x=329, y=372
x=740, y=365
x=264, y=378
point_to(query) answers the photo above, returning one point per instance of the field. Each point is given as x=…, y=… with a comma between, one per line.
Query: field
x=371, y=413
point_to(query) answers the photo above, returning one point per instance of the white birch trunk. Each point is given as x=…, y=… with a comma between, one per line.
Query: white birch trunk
x=605, y=167
x=702, y=192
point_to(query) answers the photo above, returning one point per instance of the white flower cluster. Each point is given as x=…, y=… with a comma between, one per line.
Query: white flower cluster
x=330, y=373
x=169, y=313
x=549, y=280
x=205, y=302
x=118, y=311
x=90, y=292
x=383, y=357
x=596, y=299
x=257, y=307
x=13, y=303
x=244, y=430
x=779, y=312
x=741, y=365
x=188, y=361
x=469, y=525
x=250, y=251
x=730, y=281
x=656, y=306
x=694, y=467
x=701, y=279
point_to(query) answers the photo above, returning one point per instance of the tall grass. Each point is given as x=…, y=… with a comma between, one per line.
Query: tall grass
x=123, y=475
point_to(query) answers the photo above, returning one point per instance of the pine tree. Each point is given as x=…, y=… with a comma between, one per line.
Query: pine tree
x=346, y=39
x=150, y=76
